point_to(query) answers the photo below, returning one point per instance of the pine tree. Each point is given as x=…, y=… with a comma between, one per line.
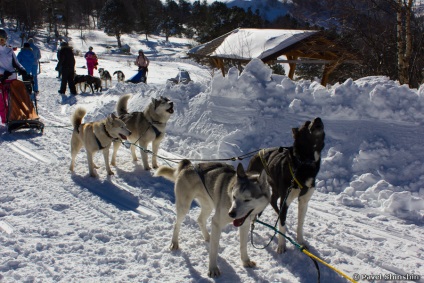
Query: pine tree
x=115, y=19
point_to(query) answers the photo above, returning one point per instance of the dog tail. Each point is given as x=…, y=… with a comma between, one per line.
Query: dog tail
x=121, y=106
x=172, y=173
x=77, y=117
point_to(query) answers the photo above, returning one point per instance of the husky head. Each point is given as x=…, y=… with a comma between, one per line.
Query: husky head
x=309, y=140
x=116, y=128
x=101, y=71
x=249, y=196
x=163, y=105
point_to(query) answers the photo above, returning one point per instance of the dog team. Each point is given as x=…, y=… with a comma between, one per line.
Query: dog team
x=234, y=194
x=96, y=83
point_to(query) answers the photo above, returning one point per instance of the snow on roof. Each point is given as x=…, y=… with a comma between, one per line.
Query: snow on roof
x=258, y=43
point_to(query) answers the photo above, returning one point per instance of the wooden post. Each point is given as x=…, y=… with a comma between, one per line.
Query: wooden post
x=219, y=64
x=292, y=66
x=328, y=69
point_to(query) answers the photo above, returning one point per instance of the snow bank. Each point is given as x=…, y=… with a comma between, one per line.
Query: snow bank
x=240, y=113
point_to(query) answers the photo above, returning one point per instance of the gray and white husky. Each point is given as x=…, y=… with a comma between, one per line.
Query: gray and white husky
x=237, y=196
x=146, y=127
x=95, y=136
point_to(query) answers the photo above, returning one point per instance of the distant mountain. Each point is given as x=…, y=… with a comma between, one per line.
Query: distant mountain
x=268, y=9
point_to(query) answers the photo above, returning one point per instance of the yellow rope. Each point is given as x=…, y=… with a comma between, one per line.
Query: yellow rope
x=326, y=264
x=294, y=177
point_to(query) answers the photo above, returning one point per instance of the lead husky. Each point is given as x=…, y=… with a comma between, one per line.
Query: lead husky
x=292, y=172
x=95, y=136
x=236, y=196
x=146, y=127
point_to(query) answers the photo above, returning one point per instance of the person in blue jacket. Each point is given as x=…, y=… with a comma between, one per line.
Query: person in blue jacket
x=35, y=64
x=26, y=57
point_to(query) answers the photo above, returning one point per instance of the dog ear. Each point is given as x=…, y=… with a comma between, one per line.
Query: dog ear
x=156, y=102
x=263, y=181
x=240, y=171
x=112, y=117
x=295, y=131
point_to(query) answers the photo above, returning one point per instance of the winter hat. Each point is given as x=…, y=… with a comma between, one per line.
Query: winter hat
x=30, y=40
x=3, y=33
x=90, y=48
x=64, y=43
x=26, y=45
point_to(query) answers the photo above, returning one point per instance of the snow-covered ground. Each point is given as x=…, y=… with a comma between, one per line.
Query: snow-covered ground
x=366, y=217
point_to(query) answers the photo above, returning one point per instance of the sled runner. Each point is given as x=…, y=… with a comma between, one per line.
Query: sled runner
x=18, y=105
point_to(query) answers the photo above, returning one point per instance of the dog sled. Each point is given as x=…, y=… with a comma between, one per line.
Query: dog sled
x=18, y=105
x=140, y=77
x=183, y=77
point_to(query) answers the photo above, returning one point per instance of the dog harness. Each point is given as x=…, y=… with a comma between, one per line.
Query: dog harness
x=156, y=130
x=201, y=172
x=107, y=134
x=291, y=164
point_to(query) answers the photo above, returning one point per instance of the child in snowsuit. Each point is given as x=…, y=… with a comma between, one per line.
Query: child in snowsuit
x=91, y=59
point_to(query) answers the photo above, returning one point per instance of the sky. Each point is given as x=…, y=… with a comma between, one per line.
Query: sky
x=365, y=219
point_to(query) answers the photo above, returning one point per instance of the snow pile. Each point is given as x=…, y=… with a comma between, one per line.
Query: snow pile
x=243, y=112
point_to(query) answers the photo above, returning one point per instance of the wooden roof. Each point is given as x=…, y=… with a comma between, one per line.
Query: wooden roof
x=269, y=44
x=240, y=46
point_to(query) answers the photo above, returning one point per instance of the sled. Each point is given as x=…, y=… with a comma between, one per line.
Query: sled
x=140, y=77
x=183, y=77
x=18, y=105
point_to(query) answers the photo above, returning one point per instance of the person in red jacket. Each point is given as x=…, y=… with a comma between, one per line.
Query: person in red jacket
x=91, y=59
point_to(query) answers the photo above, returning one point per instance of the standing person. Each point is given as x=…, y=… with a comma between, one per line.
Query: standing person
x=67, y=65
x=26, y=57
x=8, y=64
x=91, y=59
x=35, y=64
x=142, y=62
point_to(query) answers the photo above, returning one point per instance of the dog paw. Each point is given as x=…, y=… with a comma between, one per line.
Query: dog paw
x=281, y=249
x=214, y=272
x=249, y=263
x=147, y=168
x=174, y=246
x=110, y=173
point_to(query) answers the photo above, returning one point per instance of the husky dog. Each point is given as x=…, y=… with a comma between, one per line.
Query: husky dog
x=94, y=137
x=236, y=196
x=105, y=76
x=120, y=75
x=292, y=172
x=146, y=127
x=93, y=82
x=79, y=81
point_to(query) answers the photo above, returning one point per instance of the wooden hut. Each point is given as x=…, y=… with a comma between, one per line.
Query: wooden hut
x=239, y=46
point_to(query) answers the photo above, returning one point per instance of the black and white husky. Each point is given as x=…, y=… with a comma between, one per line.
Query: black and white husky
x=292, y=172
x=105, y=76
x=120, y=76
